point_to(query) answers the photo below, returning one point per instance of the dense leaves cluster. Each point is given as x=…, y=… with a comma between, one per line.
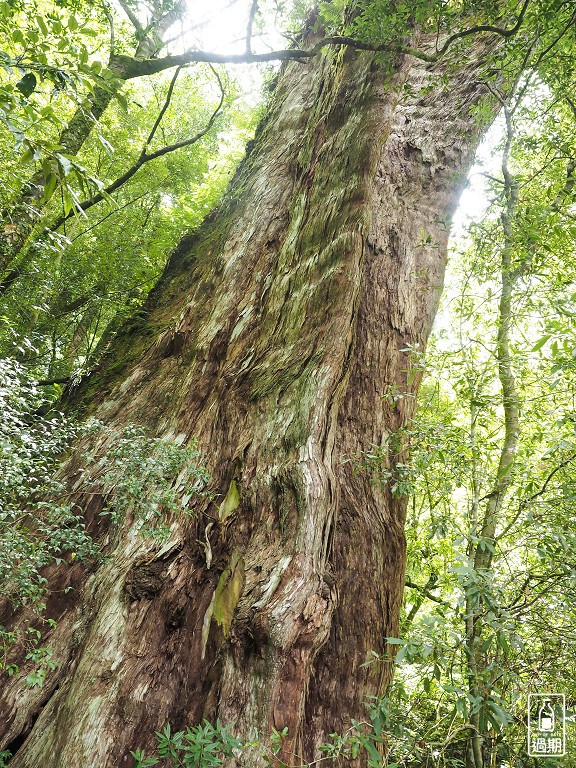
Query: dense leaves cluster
x=204, y=746
x=149, y=477
x=49, y=60
x=34, y=532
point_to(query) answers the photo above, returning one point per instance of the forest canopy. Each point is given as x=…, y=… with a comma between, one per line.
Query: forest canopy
x=123, y=128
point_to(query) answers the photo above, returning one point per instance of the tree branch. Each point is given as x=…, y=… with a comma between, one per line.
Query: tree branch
x=162, y=112
x=510, y=399
x=110, y=213
x=153, y=35
x=502, y=32
x=145, y=156
x=110, y=18
x=425, y=591
x=251, y=17
x=127, y=67
x=134, y=20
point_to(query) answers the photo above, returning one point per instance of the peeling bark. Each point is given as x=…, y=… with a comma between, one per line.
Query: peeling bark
x=272, y=338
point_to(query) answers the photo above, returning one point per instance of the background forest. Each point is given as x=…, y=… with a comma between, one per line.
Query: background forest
x=104, y=169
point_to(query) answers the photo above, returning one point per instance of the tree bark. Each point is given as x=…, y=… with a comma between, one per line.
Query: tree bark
x=273, y=338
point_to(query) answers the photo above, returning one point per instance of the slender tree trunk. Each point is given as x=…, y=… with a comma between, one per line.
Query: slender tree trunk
x=19, y=219
x=480, y=754
x=272, y=338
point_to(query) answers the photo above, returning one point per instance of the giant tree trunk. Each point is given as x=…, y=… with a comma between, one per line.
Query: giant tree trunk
x=274, y=338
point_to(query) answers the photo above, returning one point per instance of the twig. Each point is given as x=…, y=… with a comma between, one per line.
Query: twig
x=135, y=21
x=110, y=213
x=424, y=591
x=110, y=18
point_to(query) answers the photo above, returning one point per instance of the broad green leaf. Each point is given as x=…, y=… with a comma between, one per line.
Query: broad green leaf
x=27, y=85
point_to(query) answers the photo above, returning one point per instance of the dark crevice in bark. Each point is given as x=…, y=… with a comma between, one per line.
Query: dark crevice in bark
x=18, y=741
x=13, y=746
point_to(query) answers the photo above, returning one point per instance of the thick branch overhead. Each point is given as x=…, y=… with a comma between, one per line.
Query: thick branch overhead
x=128, y=67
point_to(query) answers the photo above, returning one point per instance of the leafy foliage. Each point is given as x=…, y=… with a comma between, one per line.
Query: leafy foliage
x=152, y=478
x=34, y=532
x=38, y=524
x=80, y=283
x=50, y=63
x=203, y=746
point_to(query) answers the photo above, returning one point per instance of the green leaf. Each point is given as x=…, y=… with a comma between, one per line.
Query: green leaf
x=50, y=184
x=27, y=85
x=27, y=156
x=65, y=164
x=42, y=24
x=540, y=343
x=142, y=761
x=67, y=200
